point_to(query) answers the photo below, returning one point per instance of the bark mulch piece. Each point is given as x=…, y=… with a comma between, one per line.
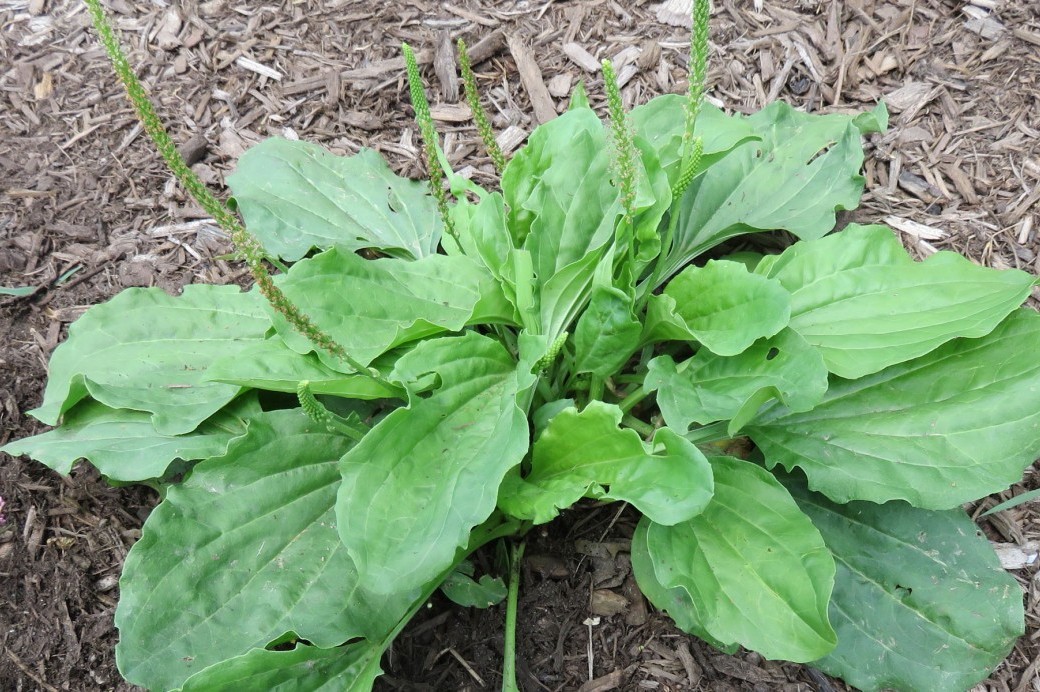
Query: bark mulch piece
x=87, y=209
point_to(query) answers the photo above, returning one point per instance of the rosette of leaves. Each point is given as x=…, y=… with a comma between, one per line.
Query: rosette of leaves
x=578, y=334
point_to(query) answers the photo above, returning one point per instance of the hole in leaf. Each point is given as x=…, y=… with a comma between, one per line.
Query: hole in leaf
x=773, y=353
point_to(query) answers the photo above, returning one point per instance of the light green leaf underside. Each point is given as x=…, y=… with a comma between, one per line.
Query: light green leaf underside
x=425, y=475
x=708, y=388
x=920, y=601
x=946, y=428
x=295, y=196
x=123, y=444
x=805, y=167
x=722, y=305
x=757, y=571
x=244, y=551
x=858, y=298
x=350, y=668
x=586, y=453
x=148, y=351
x=371, y=306
x=273, y=366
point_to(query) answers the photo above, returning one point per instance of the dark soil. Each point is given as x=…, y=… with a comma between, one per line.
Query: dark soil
x=87, y=210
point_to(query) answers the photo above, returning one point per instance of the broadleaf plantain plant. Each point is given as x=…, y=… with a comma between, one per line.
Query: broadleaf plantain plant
x=508, y=353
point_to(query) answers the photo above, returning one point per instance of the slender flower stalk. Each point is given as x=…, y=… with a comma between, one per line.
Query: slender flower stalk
x=247, y=244
x=625, y=150
x=693, y=147
x=429, y=138
x=469, y=87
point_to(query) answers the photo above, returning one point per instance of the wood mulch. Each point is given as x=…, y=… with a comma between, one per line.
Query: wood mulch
x=87, y=209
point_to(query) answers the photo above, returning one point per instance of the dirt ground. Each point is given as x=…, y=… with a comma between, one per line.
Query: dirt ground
x=87, y=209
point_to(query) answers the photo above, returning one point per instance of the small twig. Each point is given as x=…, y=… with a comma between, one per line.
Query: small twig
x=28, y=673
x=467, y=666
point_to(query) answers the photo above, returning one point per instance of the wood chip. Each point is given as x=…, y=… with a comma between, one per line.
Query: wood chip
x=444, y=67
x=675, y=12
x=451, y=112
x=511, y=138
x=581, y=57
x=919, y=187
x=531, y=77
x=912, y=95
x=915, y=229
x=607, y=603
x=560, y=85
x=1013, y=556
x=253, y=66
x=604, y=683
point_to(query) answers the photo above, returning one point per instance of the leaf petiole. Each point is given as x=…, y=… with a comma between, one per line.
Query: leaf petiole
x=509, y=662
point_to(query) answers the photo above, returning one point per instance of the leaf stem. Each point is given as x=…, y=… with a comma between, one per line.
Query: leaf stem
x=709, y=433
x=633, y=398
x=640, y=426
x=512, y=596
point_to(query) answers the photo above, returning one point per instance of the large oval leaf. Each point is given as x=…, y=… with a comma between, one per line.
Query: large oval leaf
x=147, y=350
x=708, y=388
x=920, y=601
x=676, y=601
x=295, y=196
x=124, y=445
x=804, y=168
x=585, y=452
x=757, y=571
x=859, y=299
x=425, y=475
x=370, y=306
x=946, y=428
x=271, y=365
x=722, y=305
x=244, y=551
x=350, y=668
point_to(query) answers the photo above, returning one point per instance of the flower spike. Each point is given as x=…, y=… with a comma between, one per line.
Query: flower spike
x=429, y=138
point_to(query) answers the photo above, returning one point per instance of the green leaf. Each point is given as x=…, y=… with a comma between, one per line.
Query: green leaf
x=461, y=588
x=708, y=388
x=371, y=306
x=271, y=365
x=18, y=291
x=805, y=167
x=858, y=297
x=350, y=668
x=946, y=428
x=562, y=209
x=124, y=446
x=607, y=333
x=586, y=453
x=557, y=188
x=295, y=196
x=756, y=569
x=148, y=351
x=675, y=601
x=563, y=297
x=425, y=475
x=244, y=551
x=920, y=601
x=722, y=305
x=662, y=122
